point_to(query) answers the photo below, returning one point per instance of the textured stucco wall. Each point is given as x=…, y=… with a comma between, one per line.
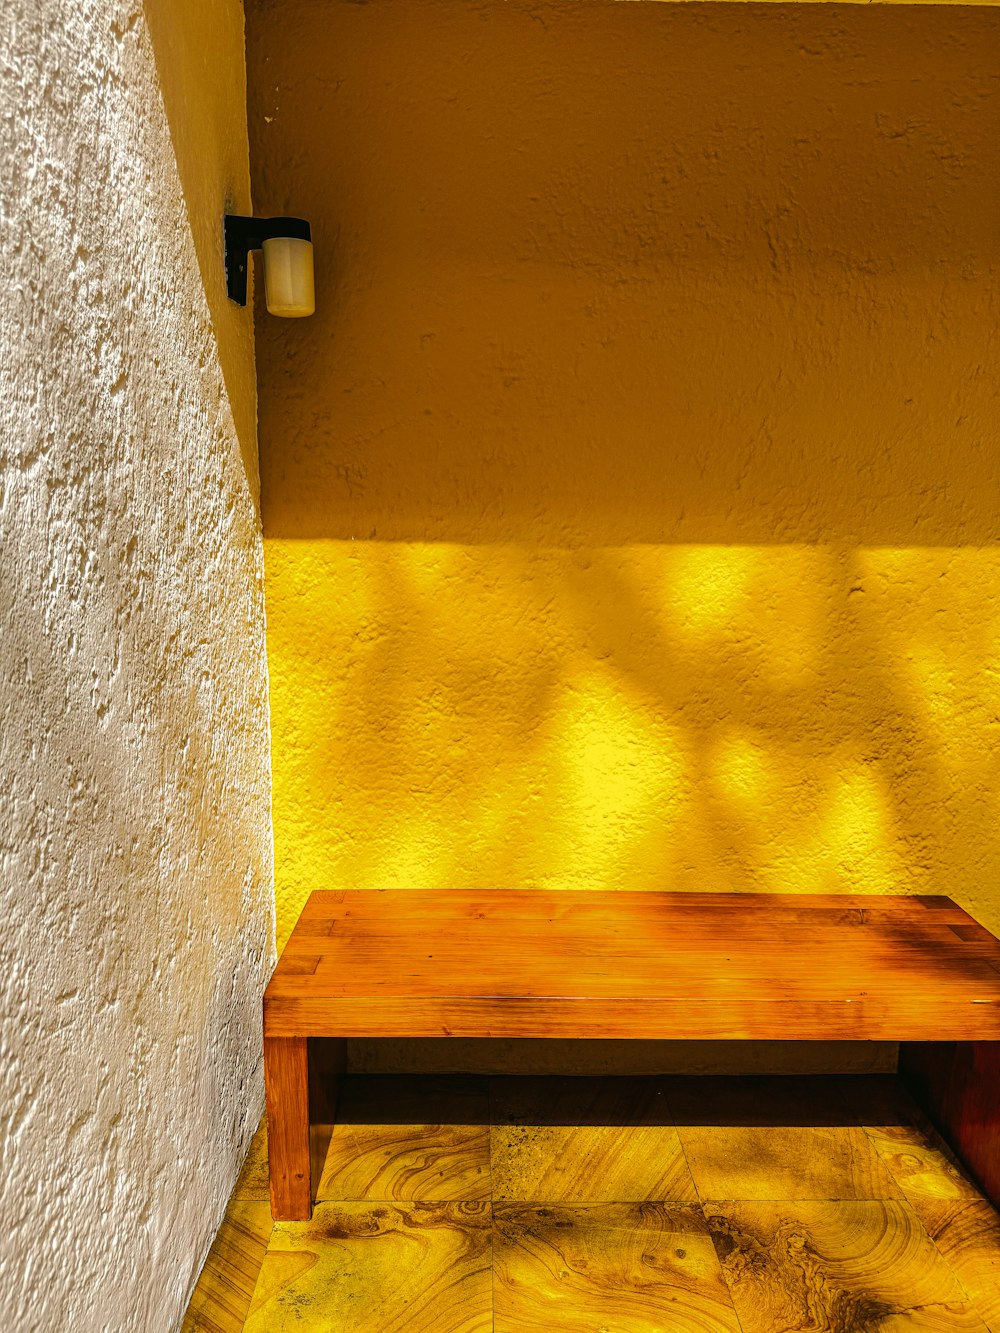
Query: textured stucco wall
x=134, y=817
x=631, y=502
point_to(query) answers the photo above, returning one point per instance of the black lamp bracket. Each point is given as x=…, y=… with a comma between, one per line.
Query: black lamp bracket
x=246, y=234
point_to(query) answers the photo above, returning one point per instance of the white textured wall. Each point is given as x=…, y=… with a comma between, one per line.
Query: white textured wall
x=134, y=813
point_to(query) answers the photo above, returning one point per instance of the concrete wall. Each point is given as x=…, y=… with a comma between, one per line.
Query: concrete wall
x=631, y=502
x=134, y=816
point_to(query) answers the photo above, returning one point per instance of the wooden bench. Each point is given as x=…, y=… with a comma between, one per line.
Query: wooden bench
x=520, y=963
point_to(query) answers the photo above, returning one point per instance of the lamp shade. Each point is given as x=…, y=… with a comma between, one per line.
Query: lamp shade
x=288, y=276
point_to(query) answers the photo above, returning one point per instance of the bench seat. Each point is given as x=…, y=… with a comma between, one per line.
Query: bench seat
x=527, y=963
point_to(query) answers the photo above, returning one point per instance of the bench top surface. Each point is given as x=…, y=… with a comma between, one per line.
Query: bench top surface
x=529, y=963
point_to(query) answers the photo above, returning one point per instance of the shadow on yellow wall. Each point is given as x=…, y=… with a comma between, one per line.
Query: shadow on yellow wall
x=780, y=718
x=205, y=106
x=631, y=500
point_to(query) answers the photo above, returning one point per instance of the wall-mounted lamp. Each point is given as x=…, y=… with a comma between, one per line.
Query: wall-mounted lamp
x=288, y=262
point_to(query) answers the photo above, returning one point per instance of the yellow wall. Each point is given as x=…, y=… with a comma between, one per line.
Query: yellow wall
x=631, y=501
x=203, y=99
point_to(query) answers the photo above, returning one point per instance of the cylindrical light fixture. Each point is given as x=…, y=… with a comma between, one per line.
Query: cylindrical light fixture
x=288, y=262
x=288, y=276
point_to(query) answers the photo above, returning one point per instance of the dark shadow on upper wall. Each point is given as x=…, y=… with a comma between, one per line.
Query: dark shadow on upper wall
x=205, y=106
x=603, y=273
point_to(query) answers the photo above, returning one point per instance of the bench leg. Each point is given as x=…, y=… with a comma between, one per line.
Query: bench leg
x=958, y=1085
x=286, y=1092
x=300, y=1078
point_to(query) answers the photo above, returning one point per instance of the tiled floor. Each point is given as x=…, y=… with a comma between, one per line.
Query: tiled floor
x=454, y=1204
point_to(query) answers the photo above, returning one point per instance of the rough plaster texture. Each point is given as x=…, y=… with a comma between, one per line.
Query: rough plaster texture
x=631, y=502
x=134, y=819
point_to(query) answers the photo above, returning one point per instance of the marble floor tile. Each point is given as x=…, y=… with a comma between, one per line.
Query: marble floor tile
x=222, y=1297
x=807, y=1178
x=836, y=1267
x=378, y=1268
x=921, y=1164
x=967, y=1232
x=409, y=1138
x=776, y=1138
x=914, y=1152
x=253, y=1182
x=630, y=1268
x=778, y=1162
x=587, y=1140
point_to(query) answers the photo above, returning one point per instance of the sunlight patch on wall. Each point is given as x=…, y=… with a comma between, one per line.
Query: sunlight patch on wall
x=619, y=773
x=856, y=842
x=513, y=717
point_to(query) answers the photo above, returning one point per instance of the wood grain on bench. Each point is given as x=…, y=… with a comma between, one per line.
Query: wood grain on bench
x=527, y=963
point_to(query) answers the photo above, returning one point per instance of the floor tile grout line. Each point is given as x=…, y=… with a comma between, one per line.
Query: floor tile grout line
x=489, y=1165
x=702, y=1203
x=701, y=1206
x=722, y=1270
x=913, y=1208
x=263, y=1259
x=932, y=1138
x=944, y=1258
x=973, y=1302
x=680, y=1141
